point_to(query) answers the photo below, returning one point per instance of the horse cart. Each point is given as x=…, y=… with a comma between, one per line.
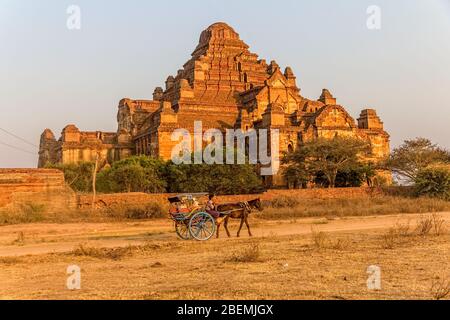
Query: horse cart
x=190, y=219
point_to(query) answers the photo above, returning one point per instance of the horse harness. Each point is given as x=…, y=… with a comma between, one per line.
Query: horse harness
x=244, y=206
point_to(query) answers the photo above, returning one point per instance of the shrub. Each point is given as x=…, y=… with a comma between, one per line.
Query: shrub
x=431, y=223
x=146, y=174
x=440, y=288
x=389, y=239
x=20, y=240
x=321, y=240
x=250, y=253
x=133, y=174
x=103, y=253
x=105, y=183
x=77, y=176
x=402, y=229
x=128, y=178
x=395, y=235
x=218, y=179
x=434, y=182
x=358, y=206
x=424, y=225
x=24, y=213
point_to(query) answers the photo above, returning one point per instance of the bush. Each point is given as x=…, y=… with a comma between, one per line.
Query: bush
x=105, y=182
x=218, y=179
x=77, y=176
x=24, y=213
x=250, y=253
x=360, y=206
x=103, y=253
x=145, y=174
x=322, y=240
x=431, y=223
x=395, y=235
x=433, y=182
x=440, y=287
x=134, y=174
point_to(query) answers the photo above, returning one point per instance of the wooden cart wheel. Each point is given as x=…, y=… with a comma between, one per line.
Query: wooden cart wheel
x=182, y=230
x=202, y=226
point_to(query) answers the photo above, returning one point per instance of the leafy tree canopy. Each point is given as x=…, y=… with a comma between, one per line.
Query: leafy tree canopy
x=326, y=158
x=415, y=155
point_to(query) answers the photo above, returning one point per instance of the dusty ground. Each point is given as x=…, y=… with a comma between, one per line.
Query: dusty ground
x=282, y=261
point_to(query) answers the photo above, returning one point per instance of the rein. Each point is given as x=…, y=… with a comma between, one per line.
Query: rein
x=244, y=205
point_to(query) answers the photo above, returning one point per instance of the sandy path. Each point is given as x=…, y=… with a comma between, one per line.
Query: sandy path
x=52, y=238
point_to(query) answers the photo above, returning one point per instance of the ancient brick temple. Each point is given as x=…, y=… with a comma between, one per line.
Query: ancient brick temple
x=224, y=85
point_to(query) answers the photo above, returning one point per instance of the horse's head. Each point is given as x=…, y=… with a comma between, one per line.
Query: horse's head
x=256, y=204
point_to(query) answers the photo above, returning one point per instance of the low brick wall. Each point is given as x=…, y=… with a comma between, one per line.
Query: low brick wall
x=45, y=187
x=321, y=193
x=106, y=200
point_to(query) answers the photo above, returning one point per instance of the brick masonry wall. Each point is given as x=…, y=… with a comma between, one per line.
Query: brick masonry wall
x=106, y=200
x=45, y=187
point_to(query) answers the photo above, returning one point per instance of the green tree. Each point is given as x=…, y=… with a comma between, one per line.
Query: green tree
x=105, y=183
x=217, y=178
x=134, y=174
x=77, y=175
x=296, y=173
x=326, y=157
x=415, y=155
x=355, y=175
x=433, y=182
x=129, y=178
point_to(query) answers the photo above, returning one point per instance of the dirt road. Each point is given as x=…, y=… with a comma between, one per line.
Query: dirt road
x=282, y=261
x=34, y=239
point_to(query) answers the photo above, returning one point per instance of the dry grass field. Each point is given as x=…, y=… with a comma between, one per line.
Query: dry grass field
x=281, y=208
x=302, y=258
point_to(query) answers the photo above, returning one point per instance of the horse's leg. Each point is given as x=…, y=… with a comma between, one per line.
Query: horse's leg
x=217, y=231
x=225, y=225
x=248, y=226
x=240, y=227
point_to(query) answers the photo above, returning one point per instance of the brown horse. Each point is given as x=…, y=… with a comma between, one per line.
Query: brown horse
x=240, y=210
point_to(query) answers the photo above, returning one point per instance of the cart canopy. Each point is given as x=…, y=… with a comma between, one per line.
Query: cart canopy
x=187, y=196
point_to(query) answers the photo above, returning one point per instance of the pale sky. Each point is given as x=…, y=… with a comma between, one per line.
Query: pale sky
x=51, y=76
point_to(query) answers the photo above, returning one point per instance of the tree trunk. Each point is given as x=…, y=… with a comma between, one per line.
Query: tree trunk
x=332, y=179
x=94, y=181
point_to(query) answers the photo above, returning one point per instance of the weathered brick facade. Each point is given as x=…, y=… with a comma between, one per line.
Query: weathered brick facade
x=224, y=86
x=38, y=187
x=132, y=199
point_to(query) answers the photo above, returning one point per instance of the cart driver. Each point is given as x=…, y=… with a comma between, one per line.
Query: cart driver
x=211, y=207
